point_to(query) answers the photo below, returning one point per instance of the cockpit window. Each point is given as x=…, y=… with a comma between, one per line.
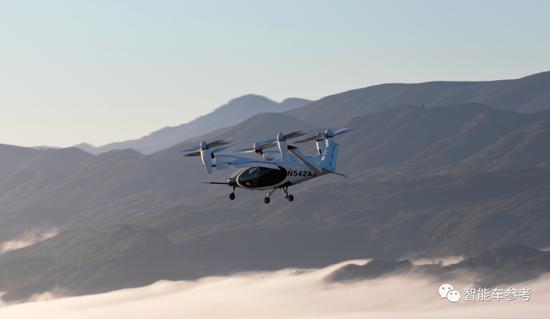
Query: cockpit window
x=261, y=177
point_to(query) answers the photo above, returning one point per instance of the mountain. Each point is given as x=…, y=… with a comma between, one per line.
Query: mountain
x=451, y=180
x=371, y=270
x=527, y=95
x=86, y=147
x=127, y=219
x=228, y=114
x=12, y=156
x=507, y=264
x=52, y=187
x=463, y=138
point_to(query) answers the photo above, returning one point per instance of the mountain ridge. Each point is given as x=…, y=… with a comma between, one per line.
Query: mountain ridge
x=422, y=182
x=528, y=94
x=228, y=114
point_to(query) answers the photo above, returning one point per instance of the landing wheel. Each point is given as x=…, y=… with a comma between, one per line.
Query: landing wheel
x=232, y=196
x=290, y=198
x=266, y=200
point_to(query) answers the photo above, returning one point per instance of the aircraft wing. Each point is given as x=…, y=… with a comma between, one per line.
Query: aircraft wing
x=309, y=163
x=239, y=162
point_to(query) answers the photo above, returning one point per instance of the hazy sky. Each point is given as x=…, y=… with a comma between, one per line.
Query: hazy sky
x=101, y=71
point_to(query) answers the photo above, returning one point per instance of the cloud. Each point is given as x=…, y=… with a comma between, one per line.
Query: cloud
x=288, y=293
x=444, y=261
x=28, y=238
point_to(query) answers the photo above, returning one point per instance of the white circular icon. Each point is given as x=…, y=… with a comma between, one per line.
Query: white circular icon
x=444, y=289
x=453, y=296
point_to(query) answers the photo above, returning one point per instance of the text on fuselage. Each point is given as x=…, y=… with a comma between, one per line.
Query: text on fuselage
x=303, y=173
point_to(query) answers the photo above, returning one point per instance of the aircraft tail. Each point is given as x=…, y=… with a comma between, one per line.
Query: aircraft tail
x=327, y=148
x=330, y=155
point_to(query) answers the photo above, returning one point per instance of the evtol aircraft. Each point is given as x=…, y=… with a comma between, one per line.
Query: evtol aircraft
x=274, y=169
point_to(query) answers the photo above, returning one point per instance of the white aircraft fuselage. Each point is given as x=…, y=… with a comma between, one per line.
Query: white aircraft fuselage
x=275, y=170
x=265, y=178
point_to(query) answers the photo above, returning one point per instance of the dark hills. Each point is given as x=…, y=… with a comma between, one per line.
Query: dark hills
x=507, y=264
x=422, y=182
x=453, y=139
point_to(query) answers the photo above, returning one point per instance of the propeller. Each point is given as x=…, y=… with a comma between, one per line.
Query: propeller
x=214, y=146
x=319, y=136
x=229, y=181
x=259, y=147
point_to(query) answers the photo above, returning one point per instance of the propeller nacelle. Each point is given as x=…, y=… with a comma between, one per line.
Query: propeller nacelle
x=325, y=135
x=203, y=145
x=260, y=147
x=206, y=152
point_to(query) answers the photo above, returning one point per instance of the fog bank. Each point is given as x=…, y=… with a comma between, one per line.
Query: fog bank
x=288, y=293
x=26, y=239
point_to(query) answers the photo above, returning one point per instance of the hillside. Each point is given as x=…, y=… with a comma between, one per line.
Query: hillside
x=464, y=138
x=526, y=95
x=128, y=219
x=233, y=112
x=507, y=264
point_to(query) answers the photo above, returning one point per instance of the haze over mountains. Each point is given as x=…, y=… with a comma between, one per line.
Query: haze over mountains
x=527, y=95
x=228, y=114
x=509, y=264
x=469, y=174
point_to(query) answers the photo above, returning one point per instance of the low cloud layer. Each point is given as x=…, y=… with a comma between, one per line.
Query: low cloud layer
x=26, y=239
x=443, y=261
x=285, y=294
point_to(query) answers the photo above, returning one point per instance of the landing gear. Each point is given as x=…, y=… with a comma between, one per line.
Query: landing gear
x=288, y=196
x=267, y=198
x=232, y=195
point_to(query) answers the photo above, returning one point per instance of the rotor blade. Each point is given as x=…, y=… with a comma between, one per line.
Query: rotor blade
x=263, y=145
x=269, y=145
x=307, y=139
x=247, y=150
x=216, y=183
x=294, y=134
x=219, y=149
x=196, y=153
x=267, y=142
x=341, y=131
x=187, y=150
x=321, y=136
x=217, y=143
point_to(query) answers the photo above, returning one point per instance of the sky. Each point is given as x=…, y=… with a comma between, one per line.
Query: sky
x=105, y=71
